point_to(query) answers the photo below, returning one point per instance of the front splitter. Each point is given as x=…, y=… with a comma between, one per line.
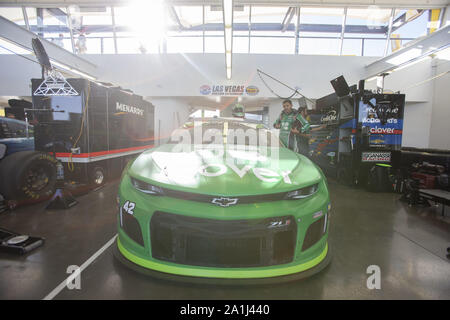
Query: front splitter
x=230, y=277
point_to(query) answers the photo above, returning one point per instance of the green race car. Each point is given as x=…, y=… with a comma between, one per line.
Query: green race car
x=224, y=199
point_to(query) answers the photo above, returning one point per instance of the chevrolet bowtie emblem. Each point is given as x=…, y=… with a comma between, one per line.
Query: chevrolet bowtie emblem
x=224, y=202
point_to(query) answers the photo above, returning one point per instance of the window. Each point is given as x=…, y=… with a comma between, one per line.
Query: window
x=153, y=28
x=214, y=42
x=319, y=46
x=13, y=14
x=272, y=45
x=181, y=44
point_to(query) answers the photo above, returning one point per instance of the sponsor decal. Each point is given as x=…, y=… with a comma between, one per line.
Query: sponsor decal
x=376, y=157
x=224, y=202
x=378, y=130
x=228, y=90
x=377, y=141
x=129, y=109
x=317, y=215
x=280, y=223
x=205, y=89
x=128, y=207
x=252, y=90
x=263, y=174
x=376, y=120
x=329, y=117
x=389, y=110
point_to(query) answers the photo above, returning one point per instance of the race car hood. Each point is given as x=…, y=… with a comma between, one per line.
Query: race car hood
x=220, y=170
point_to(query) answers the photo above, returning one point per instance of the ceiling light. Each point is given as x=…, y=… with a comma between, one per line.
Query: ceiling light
x=13, y=48
x=227, y=6
x=228, y=12
x=443, y=54
x=228, y=38
x=228, y=58
x=72, y=70
x=406, y=56
x=412, y=63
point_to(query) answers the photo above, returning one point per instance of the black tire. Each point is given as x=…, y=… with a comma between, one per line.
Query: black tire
x=97, y=176
x=379, y=180
x=27, y=175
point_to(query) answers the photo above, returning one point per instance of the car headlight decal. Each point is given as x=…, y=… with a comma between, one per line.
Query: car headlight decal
x=147, y=187
x=303, y=192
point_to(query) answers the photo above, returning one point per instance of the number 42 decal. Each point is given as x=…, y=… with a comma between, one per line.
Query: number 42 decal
x=128, y=207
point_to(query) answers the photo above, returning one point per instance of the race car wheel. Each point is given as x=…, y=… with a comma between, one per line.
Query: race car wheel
x=28, y=175
x=98, y=176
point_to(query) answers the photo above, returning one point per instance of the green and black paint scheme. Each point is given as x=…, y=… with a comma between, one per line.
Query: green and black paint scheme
x=95, y=133
x=286, y=122
x=362, y=140
x=241, y=215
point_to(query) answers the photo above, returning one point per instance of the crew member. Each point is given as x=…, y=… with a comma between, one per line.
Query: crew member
x=285, y=122
x=302, y=130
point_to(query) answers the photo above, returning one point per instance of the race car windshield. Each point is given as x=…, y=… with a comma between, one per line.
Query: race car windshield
x=229, y=133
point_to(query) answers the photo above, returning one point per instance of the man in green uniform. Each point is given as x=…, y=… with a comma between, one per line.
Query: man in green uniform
x=302, y=130
x=285, y=123
x=238, y=111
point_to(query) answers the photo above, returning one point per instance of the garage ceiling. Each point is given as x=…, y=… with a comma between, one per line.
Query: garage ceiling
x=387, y=3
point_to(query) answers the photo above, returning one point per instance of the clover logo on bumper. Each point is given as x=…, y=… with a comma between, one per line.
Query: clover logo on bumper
x=224, y=202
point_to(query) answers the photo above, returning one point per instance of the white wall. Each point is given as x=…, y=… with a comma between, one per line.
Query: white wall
x=183, y=74
x=427, y=108
x=166, y=110
x=172, y=75
x=440, y=117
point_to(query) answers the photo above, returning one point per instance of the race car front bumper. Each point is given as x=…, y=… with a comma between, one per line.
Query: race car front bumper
x=248, y=241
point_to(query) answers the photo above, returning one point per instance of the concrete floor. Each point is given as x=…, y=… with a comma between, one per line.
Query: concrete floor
x=407, y=243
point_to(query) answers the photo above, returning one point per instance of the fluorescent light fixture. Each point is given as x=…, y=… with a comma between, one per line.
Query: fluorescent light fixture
x=72, y=70
x=405, y=56
x=228, y=12
x=16, y=49
x=228, y=38
x=443, y=54
x=227, y=6
x=13, y=48
x=228, y=58
x=412, y=63
x=372, y=78
x=218, y=99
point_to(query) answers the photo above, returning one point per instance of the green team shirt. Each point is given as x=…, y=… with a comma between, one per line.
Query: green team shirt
x=286, y=121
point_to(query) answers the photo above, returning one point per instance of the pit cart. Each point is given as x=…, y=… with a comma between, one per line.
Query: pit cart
x=362, y=140
x=94, y=129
